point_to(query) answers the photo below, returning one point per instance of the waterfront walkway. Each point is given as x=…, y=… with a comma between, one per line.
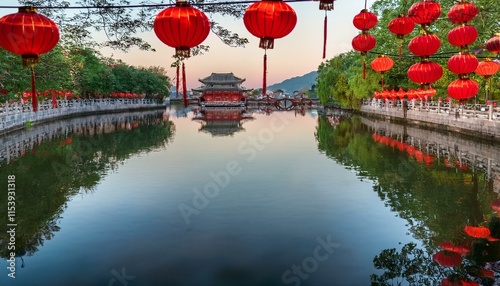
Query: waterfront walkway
x=17, y=115
x=479, y=120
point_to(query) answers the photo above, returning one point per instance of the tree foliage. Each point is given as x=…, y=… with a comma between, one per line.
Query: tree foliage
x=332, y=86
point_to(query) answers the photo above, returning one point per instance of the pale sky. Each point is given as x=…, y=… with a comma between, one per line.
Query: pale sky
x=294, y=55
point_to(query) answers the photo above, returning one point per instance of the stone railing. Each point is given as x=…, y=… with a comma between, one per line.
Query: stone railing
x=16, y=115
x=472, y=119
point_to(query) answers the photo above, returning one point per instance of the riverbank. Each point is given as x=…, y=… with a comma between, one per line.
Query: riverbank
x=481, y=122
x=18, y=116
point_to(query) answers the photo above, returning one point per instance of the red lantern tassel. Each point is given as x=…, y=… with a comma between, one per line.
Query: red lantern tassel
x=184, y=91
x=364, y=69
x=400, y=51
x=34, y=101
x=325, y=25
x=264, y=76
x=177, y=82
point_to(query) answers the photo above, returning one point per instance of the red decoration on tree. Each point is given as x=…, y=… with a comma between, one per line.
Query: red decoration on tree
x=462, y=12
x=425, y=12
x=487, y=68
x=424, y=45
x=462, y=63
x=493, y=44
x=182, y=27
x=462, y=36
x=401, y=26
x=463, y=89
x=269, y=20
x=28, y=34
x=365, y=20
x=425, y=72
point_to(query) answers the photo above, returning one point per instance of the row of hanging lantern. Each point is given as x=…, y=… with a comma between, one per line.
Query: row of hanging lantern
x=364, y=42
x=462, y=63
x=401, y=94
x=425, y=45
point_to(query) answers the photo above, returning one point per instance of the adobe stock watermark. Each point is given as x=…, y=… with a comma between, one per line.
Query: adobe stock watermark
x=222, y=178
x=310, y=264
x=120, y=279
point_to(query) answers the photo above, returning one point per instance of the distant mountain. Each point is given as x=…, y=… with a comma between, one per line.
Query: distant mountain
x=296, y=83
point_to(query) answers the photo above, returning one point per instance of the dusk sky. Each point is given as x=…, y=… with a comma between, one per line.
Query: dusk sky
x=294, y=55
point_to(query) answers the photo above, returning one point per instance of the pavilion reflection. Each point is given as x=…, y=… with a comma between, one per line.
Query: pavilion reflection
x=222, y=121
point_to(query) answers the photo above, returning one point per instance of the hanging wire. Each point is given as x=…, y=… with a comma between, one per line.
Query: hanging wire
x=146, y=5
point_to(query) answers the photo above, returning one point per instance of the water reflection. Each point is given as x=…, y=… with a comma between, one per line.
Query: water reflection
x=444, y=186
x=222, y=121
x=57, y=161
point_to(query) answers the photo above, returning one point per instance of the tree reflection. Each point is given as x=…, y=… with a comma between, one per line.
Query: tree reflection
x=49, y=175
x=436, y=198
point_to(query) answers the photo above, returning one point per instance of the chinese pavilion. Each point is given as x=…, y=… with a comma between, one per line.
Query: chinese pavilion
x=222, y=89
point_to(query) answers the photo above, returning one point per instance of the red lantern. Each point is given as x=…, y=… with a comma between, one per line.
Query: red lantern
x=181, y=27
x=401, y=26
x=269, y=20
x=424, y=45
x=365, y=20
x=462, y=12
x=487, y=68
x=493, y=44
x=425, y=72
x=28, y=34
x=425, y=12
x=462, y=36
x=463, y=89
x=382, y=64
x=462, y=63
x=364, y=42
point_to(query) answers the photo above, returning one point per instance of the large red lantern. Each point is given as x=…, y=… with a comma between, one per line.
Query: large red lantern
x=493, y=44
x=365, y=20
x=269, y=20
x=463, y=89
x=424, y=45
x=425, y=12
x=182, y=27
x=28, y=34
x=462, y=12
x=487, y=68
x=425, y=72
x=400, y=27
x=363, y=43
x=462, y=63
x=462, y=36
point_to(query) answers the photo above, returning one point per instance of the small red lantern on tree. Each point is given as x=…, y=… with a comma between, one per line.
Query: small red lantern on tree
x=269, y=20
x=486, y=69
x=28, y=34
x=182, y=27
x=401, y=26
x=425, y=12
x=382, y=64
x=424, y=45
x=463, y=89
x=462, y=12
x=493, y=44
x=462, y=63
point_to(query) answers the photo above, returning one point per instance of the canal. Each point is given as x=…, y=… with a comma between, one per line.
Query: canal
x=246, y=197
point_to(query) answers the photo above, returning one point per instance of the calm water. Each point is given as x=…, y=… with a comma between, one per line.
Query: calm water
x=248, y=198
